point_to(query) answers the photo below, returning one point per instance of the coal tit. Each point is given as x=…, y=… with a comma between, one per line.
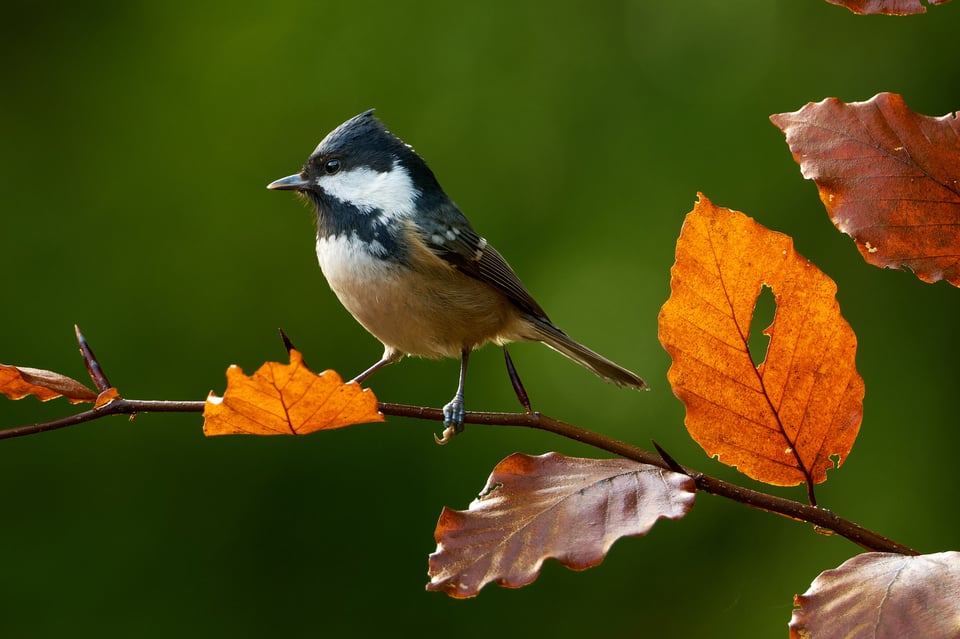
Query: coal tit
x=407, y=264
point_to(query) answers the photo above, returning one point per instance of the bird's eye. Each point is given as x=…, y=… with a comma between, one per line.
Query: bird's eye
x=331, y=167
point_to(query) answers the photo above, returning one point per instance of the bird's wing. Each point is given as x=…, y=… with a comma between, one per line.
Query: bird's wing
x=449, y=235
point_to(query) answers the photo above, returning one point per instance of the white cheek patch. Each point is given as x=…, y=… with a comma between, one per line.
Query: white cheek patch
x=391, y=192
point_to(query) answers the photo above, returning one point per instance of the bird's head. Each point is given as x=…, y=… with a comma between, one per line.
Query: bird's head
x=363, y=167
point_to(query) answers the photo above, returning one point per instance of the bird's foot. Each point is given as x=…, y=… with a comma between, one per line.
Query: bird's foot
x=453, y=414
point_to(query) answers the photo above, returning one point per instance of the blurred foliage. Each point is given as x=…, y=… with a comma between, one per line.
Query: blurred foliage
x=137, y=142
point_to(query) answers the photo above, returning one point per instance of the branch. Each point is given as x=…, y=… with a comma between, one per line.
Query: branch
x=823, y=519
x=118, y=406
x=820, y=517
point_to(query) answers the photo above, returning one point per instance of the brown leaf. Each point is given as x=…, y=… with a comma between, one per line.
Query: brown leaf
x=888, y=177
x=883, y=596
x=17, y=382
x=887, y=7
x=779, y=422
x=287, y=399
x=534, y=508
x=106, y=397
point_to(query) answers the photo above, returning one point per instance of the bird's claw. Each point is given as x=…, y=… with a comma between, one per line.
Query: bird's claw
x=448, y=433
x=453, y=414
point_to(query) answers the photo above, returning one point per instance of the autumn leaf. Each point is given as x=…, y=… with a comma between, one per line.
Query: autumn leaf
x=888, y=177
x=287, y=399
x=17, y=382
x=106, y=396
x=534, y=508
x=780, y=421
x=883, y=596
x=888, y=7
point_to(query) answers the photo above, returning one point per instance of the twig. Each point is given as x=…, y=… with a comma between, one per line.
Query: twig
x=672, y=463
x=118, y=406
x=517, y=384
x=93, y=366
x=287, y=344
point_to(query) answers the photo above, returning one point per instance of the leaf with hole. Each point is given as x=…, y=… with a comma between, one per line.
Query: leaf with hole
x=534, y=508
x=782, y=420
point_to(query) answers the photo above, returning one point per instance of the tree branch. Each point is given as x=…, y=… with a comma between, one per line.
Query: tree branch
x=118, y=406
x=820, y=517
x=823, y=519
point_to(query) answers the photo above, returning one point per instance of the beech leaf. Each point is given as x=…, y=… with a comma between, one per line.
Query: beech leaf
x=888, y=178
x=883, y=596
x=17, y=382
x=534, y=508
x=287, y=399
x=887, y=7
x=781, y=421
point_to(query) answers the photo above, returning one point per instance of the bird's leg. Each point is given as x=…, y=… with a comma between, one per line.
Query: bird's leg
x=389, y=357
x=517, y=384
x=453, y=412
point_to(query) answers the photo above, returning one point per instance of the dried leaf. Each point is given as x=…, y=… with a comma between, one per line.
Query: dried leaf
x=287, y=399
x=887, y=7
x=782, y=420
x=106, y=397
x=883, y=596
x=534, y=508
x=17, y=382
x=888, y=177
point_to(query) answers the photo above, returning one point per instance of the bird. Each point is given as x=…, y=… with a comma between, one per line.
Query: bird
x=406, y=263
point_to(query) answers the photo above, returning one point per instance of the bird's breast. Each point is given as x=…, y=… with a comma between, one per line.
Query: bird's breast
x=349, y=261
x=421, y=306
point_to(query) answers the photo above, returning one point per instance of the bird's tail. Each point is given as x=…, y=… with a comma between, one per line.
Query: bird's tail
x=559, y=341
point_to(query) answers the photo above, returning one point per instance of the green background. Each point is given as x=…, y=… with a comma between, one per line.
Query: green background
x=137, y=139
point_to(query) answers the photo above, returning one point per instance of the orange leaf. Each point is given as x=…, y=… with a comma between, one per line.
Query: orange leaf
x=882, y=595
x=533, y=508
x=106, y=397
x=888, y=177
x=779, y=422
x=17, y=382
x=287, y=399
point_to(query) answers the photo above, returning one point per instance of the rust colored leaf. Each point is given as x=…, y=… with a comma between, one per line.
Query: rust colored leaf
x=106, y=397
x=780, y=421
x=287, y=399
x=17, y=382
x=883, y=596
x=887, y=7
x=888, y=177
x=534, y=508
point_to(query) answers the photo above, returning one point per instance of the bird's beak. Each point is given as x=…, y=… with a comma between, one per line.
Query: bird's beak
x=293, y=182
